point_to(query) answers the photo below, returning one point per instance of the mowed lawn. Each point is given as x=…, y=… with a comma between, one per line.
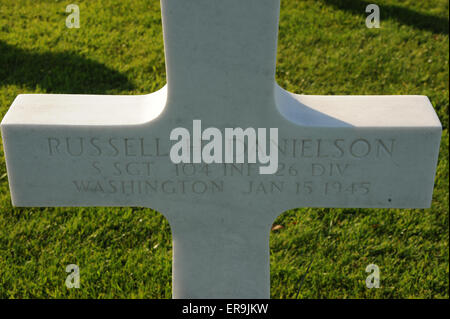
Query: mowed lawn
x=324, y=48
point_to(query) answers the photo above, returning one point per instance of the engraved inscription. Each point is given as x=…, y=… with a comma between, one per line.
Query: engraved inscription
x=307, y=166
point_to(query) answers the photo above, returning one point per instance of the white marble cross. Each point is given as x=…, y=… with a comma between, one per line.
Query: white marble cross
x=333, y=151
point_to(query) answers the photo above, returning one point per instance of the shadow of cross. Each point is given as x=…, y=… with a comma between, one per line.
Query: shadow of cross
x=328, y=151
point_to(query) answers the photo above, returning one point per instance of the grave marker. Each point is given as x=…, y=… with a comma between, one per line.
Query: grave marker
x=333, y=151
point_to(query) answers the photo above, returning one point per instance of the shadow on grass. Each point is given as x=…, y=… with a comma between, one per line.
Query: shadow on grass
x=403, y=15
x=64, y=72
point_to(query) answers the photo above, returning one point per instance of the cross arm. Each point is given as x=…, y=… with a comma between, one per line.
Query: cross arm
x=46, y=138
x=355, y=151
x=385, y=146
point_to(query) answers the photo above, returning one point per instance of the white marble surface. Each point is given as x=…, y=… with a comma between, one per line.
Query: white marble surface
x=335, y=151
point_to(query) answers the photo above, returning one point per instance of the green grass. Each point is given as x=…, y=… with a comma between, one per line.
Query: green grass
x=324, y=48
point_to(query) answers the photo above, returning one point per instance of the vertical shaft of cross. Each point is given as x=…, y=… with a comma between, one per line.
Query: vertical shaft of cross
x=220, y=53
x=218, y=254
x=220, y=62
